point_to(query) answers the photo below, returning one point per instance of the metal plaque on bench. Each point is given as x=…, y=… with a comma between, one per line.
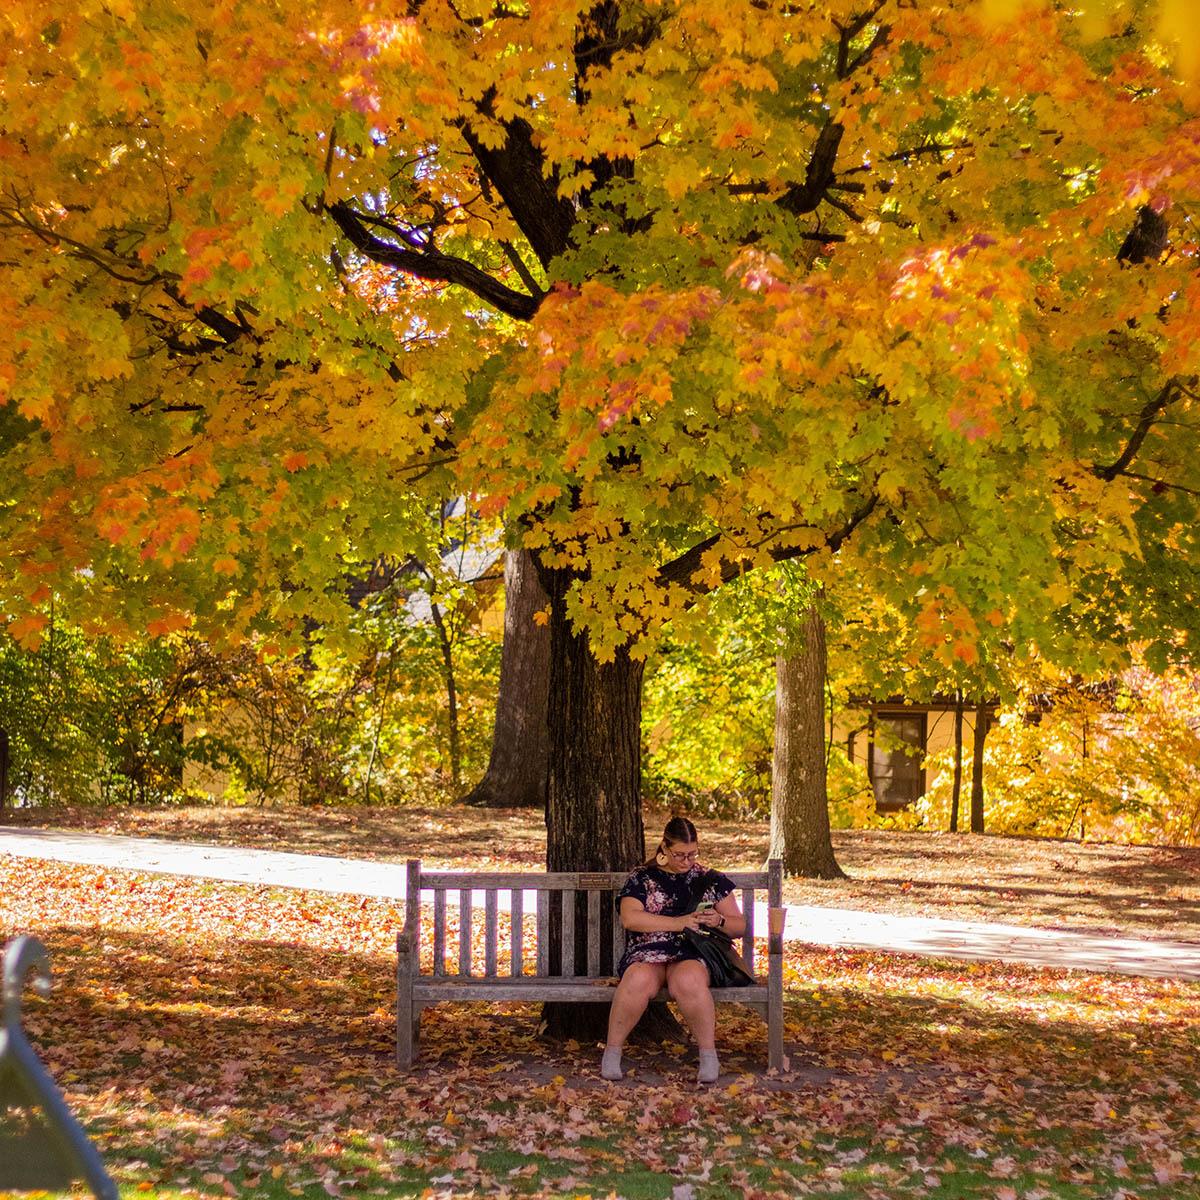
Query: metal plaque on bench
x=42, y=1146
x=597, y=881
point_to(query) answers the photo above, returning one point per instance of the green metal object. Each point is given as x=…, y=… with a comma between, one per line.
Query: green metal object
x=41, y=1143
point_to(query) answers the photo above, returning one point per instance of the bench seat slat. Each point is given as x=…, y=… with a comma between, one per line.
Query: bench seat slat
x=427, y=990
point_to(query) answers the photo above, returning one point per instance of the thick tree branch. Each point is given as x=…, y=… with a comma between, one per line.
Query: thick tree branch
x=1147, y=239
x=681, y=571
x=518, y=263
x=432, y=264
x=515, y=170
x=846, y=66
x=225, y=327
x=804, y=198
x=1146, y=419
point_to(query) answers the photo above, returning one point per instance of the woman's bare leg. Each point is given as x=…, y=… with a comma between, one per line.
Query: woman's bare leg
x=687, y=982
x=639, y=985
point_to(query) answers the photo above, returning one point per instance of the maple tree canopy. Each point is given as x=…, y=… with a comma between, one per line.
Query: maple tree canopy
x=673, y=290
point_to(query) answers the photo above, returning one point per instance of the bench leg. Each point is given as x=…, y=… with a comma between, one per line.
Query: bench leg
x=775, y=1037
x=775, y=1013
x=407, y=1020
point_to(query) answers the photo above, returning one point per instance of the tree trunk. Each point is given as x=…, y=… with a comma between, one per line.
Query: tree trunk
x=516, y=773
x=981, y=723
x=4, y=754
x=956, y=795
x=593, y=790
x=447, y=649
x=799, y=804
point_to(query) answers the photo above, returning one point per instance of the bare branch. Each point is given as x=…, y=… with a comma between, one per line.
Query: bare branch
x=1160, y=485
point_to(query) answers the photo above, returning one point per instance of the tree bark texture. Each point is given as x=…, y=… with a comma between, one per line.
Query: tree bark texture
x=593, y=789
x=516, y=773
x=800, y=833
x=981, y=724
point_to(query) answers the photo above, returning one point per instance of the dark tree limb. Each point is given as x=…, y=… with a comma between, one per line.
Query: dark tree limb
x=804, y=198
x=433, y=265
x=1147, y=239
x=846, y=66
x=1146, y=420
x=681, y=571
x=516, y=170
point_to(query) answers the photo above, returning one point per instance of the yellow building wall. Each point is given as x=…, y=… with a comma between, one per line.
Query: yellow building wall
x=939, y=732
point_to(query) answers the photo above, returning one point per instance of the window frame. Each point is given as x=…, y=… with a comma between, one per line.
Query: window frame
x=918, y=776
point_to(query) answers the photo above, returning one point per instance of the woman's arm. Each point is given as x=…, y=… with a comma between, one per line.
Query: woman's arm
x=726, y=916
x=636, y=919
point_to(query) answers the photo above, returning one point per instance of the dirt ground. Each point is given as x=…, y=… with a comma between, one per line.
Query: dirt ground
x=1100, y=887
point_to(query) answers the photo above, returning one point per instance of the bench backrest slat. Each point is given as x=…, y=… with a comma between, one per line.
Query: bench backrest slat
x=490, y=921
x=748, y=936
x=439, y=932
x=464, y=931
x=543, y=932
x=566, y=965
x=517, y=908
x=618, y=935
x=593, y=933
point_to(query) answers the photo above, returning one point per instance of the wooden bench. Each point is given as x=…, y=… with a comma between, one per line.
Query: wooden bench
x=536, y=973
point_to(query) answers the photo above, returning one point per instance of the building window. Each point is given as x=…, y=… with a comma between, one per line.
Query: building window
x=897, y=752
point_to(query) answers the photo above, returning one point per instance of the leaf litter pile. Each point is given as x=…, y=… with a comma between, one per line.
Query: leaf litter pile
x=220, y=1040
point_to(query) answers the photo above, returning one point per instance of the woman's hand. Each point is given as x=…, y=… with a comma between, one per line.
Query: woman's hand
x=688, y=921
x=711, y=918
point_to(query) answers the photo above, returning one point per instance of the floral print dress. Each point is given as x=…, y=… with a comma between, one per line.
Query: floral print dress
x=665, y=893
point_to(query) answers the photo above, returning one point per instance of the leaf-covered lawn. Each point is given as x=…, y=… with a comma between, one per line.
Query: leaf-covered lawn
x=220, y=1040
x=1139, y=890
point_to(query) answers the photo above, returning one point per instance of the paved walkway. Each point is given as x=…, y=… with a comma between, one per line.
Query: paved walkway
x=805, y=923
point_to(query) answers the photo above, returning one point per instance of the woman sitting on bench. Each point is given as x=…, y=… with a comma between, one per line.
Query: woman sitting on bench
x=654, y=909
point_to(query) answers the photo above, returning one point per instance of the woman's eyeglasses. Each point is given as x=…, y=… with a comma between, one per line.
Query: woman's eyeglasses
x=690, y=856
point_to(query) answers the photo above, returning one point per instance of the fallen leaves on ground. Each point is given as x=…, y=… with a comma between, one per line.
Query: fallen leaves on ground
x=220, y=1040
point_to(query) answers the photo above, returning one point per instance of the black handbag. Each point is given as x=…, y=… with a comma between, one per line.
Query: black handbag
x=726, y=967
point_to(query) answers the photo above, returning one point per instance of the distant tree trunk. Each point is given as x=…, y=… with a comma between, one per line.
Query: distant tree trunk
x=4, y=753
x=956, y=795
x=516, y=773
x=593, y=789
x=451, y=695
x=981, y=723
x=800, y=833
